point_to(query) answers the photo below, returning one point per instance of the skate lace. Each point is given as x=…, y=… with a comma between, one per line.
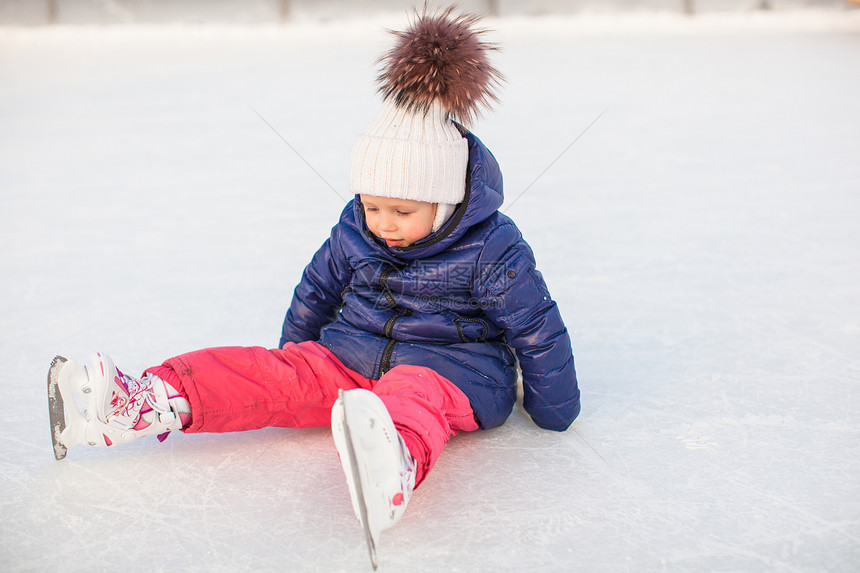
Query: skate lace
x=140, y=394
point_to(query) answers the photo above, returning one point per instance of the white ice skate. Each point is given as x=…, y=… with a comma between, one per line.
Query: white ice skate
x=98, y=406
x=379, y=469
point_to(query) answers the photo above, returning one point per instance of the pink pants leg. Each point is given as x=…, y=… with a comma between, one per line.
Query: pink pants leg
x=237, y=388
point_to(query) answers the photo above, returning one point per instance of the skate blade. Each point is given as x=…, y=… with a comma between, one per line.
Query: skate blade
x=356, y=480
x=56, y=408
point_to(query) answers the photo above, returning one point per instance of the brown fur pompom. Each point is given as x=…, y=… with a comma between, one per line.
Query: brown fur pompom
x=440, y=58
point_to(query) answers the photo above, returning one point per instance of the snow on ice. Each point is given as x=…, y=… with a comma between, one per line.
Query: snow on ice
x=701, y=239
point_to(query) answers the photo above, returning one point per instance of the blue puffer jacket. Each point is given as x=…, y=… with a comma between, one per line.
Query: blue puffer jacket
x=458, y=301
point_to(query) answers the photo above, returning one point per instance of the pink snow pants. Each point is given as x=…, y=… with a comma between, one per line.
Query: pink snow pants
x=236, y=388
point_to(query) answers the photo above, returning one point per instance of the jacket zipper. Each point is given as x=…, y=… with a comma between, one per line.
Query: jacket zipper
x=385, y=363
x=383, y=282
x=388, y=331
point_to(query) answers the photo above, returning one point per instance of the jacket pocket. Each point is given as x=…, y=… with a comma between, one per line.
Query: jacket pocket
x=500, y=276
x=471, y=329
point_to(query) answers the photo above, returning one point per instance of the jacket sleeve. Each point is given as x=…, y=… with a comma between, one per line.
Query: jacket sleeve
x=318, y=296
x=515, y=297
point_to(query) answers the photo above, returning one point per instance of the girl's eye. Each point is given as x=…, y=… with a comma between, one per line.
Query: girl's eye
x=370, y=209
x=404, y=213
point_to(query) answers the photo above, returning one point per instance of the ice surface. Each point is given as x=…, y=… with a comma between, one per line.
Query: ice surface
x=701, y=240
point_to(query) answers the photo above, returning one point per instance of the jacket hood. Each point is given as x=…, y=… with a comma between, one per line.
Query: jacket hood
x=483, y=197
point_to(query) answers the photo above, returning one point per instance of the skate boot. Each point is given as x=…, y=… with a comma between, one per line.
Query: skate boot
x=96, y=405
x=379, y=469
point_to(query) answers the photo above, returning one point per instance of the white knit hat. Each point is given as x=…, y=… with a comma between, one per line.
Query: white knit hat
x=413, y=150
x=408, y=154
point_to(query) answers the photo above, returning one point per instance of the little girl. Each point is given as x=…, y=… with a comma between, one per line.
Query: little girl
x=408, y=324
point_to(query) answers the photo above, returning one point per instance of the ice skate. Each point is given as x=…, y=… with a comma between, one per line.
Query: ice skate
x=96, y=405
x=379, y=469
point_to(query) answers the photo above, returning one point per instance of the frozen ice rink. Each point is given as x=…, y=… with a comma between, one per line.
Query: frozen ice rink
x=701, y=239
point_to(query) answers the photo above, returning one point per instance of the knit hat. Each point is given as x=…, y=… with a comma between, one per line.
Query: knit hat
x=436, y=73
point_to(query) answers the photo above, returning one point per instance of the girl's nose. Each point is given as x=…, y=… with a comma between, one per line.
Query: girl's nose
x=387, y=223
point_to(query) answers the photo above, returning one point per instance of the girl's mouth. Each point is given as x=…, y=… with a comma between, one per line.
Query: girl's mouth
x=393, y=242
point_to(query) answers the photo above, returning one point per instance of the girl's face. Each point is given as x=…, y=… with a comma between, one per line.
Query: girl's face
x=399, y=222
